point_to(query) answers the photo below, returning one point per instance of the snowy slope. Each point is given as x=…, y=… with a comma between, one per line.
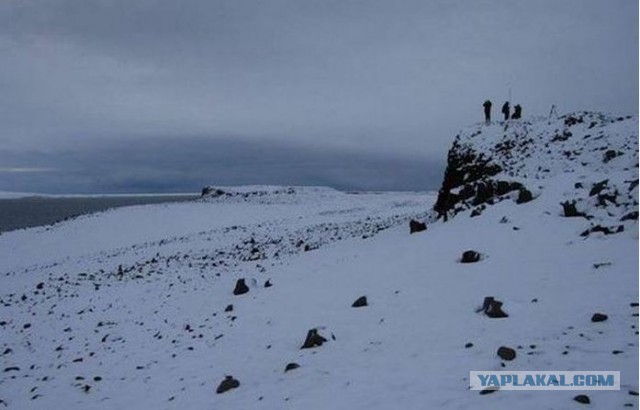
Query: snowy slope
x=130, y=308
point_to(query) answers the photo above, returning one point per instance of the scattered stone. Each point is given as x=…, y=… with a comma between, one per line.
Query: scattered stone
x=599, y=317
x=582, y=398
x=601, y=264
x=40, y=285
x=241, y=287
x=360, y=302
x=468, y=345
x=570, y=210
x=493, y=308
x=470, y=256
x=489, y=390
x=314, y=339
x=227, y=384
x=229, y=308
x=12, y=369
x=598, y=187
x=291, y=366
x=506, y=353
x=610, y=154
x=268, y=284
x=415, y=226
x=633, y=393
x=605, y=230
x=631, y=216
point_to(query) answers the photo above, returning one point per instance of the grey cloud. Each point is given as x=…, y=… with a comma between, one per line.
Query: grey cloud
x=378, y=77
x=185, y=164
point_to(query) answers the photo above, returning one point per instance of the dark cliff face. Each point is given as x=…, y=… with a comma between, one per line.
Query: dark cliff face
x=503, y=160
x=471, y=179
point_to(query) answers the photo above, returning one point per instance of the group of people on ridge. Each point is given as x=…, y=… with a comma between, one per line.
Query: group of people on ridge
x=506, y=110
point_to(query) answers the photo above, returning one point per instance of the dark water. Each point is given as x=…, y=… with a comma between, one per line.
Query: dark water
x=37, y=211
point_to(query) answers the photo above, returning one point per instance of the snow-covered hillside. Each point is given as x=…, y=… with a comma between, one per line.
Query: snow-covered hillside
x=145, y=307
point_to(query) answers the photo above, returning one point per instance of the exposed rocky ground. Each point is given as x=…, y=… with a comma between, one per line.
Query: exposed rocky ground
x=517, y=159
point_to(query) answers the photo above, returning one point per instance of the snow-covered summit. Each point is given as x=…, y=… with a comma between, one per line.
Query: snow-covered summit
x=583, y=164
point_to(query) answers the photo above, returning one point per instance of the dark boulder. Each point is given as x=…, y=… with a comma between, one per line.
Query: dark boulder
x=360, y=302
x=599, y=317
x=484, y=192
x=582, y=398
x=631, y=216
x=571, y=120
x=227, y=384
x=524, y=196
x=291, y=366
x=506, y=353
x=314, y=339
x=605, y=230
x=609, y=155
x=470, y=256
x=598, y=187
x=415, y=226
x=570, y=210
x=241, y=287
x=493, y=308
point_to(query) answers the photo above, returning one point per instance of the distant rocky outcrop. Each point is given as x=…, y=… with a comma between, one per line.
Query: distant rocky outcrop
x=247, y=192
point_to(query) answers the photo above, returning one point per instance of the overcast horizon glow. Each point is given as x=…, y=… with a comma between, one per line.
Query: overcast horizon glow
x=158, y=96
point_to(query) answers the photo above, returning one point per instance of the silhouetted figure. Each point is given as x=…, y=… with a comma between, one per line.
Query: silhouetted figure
x=505, y=110
x=487, y=111
x=517, y=112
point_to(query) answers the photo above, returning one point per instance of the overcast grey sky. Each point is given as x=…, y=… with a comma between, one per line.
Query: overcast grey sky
x=98, y=95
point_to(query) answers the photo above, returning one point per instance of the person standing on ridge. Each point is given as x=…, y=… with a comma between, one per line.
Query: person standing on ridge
x=517, y=112
x=505, y=110
x=487, y=111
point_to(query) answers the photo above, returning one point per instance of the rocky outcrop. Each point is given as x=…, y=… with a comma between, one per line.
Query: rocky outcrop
x=517, y=159
x=475, y=176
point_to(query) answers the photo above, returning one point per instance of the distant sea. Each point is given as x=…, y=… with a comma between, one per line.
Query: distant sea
x=26, y=212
